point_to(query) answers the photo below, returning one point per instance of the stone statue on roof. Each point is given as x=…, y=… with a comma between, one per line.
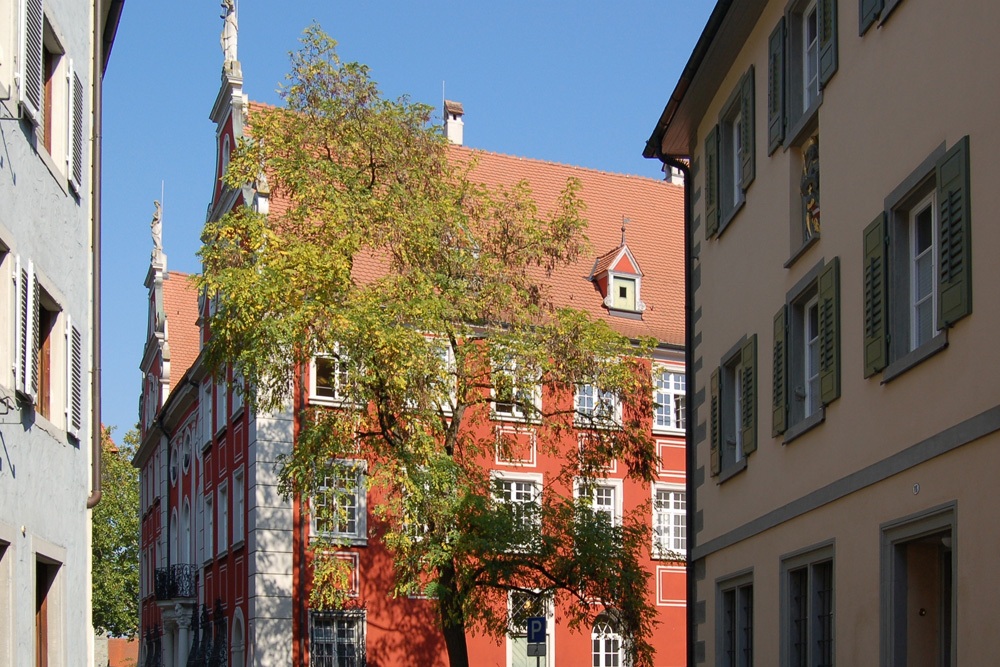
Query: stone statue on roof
x=156, y=227
x=229, y=30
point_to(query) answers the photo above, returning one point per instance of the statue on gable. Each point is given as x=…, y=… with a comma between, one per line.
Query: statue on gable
x=156, y=228
x=809, y=189
x=229, y=30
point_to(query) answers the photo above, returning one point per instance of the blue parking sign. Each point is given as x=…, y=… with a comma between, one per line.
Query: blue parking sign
x=536, y=630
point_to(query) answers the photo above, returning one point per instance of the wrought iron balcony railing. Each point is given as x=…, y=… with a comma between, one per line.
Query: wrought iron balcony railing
x=176, y=581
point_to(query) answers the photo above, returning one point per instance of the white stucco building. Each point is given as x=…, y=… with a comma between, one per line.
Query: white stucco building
x=52, y=58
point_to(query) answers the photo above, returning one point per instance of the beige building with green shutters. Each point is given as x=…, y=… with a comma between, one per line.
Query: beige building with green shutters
x=844, y=434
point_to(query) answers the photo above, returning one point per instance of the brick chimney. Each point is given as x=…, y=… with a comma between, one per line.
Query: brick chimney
x=453, y=124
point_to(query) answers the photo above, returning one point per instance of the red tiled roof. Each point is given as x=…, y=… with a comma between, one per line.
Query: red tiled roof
x=180, y=305
x=655, y=210
x=656, y=231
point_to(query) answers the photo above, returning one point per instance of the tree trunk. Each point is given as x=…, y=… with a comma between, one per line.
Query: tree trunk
x=452, y=618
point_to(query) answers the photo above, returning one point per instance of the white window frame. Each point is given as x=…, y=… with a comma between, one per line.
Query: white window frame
x=223, y=505
x=669, y=521
x=207, y=403
x=239, y=505
x=516, y=412
x=359, y=536
x=810, y=55
x=517, y=634
x=604, y=638
x=669, y=400
x=591, y=488
x=732, y=431
x=914, y=298
x=237, y=394
x=810, y=357
x=340, y=396
x=332, y=637
x=221, y=416
x=534, y=481
x=209, y=526
x=595, y=407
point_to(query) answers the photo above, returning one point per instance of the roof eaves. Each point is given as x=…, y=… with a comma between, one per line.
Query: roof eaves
x=733, y=19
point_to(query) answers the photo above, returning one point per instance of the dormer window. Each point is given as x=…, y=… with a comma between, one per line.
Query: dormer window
x=619, y=280
x=624, y=291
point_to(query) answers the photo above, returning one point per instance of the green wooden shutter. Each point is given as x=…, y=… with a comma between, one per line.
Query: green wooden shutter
x=716, y=408
x=749, y=361
x=712, y=182
x=779, y=394
x=955, y=253
x=827, y=16
x=748, y=152
x=776, y=87
x=868, y=11
x=876, y=342
x=829, y=331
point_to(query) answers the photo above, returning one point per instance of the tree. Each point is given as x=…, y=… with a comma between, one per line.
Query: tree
x=115, y=541
x=428, y=293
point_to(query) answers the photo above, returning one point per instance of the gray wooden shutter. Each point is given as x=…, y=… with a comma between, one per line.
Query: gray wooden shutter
x=776, y=87
x=18, y=326
x=876, y=347
x=712, y=182
x=749, y=360
x=828, y=286
x=74, y=379
x=779, y=393
x=955, y=253
x=74, y=155
x=716, y=417
x=868, y=11
x=748, y=152
x=34, y=325
x=31, y=75
x=827, y=17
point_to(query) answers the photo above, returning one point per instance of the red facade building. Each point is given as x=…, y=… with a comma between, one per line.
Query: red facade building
x=225, y=559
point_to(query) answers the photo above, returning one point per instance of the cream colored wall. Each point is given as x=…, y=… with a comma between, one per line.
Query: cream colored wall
x=899, y=92
x=925, y=78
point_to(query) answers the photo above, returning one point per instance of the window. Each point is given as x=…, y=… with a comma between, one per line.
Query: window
x=209, y=526
x=734, y=409
x=807, y=608
x=223, y=517
x=918, y=571
x=624, y=292
x=729, y=157
x=596, y=407
x=606, y=643
x=337, y=638
x=523, y=605
x=807, y=35
x=48, y=615
x=239, y=509
x=521, y=497
x=238, y=389
x=668, y=399
x=603, y=497
x=734, y=620
x=807, y=352
x=341, y=504
x=917, y=264
x=329, y=377
x=516, y=395
x=207, y=425
x=220, y=404
x=669, y=522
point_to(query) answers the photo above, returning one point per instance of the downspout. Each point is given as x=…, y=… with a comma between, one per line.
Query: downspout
x=97, y=76
x=689, y=458
x=101, y=51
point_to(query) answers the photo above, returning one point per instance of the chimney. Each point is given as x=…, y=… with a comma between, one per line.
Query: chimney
x=453, y=124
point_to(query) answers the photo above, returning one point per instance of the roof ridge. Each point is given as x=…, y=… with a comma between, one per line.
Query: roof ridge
x=630, y=177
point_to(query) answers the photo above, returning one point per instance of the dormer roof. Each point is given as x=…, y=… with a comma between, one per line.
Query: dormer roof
x=620, y=260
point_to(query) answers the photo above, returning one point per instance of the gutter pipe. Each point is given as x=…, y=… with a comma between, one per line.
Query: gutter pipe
x=101, y=50
x=689, y=458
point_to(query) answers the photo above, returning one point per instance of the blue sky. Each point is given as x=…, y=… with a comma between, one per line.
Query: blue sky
x=581, y=83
